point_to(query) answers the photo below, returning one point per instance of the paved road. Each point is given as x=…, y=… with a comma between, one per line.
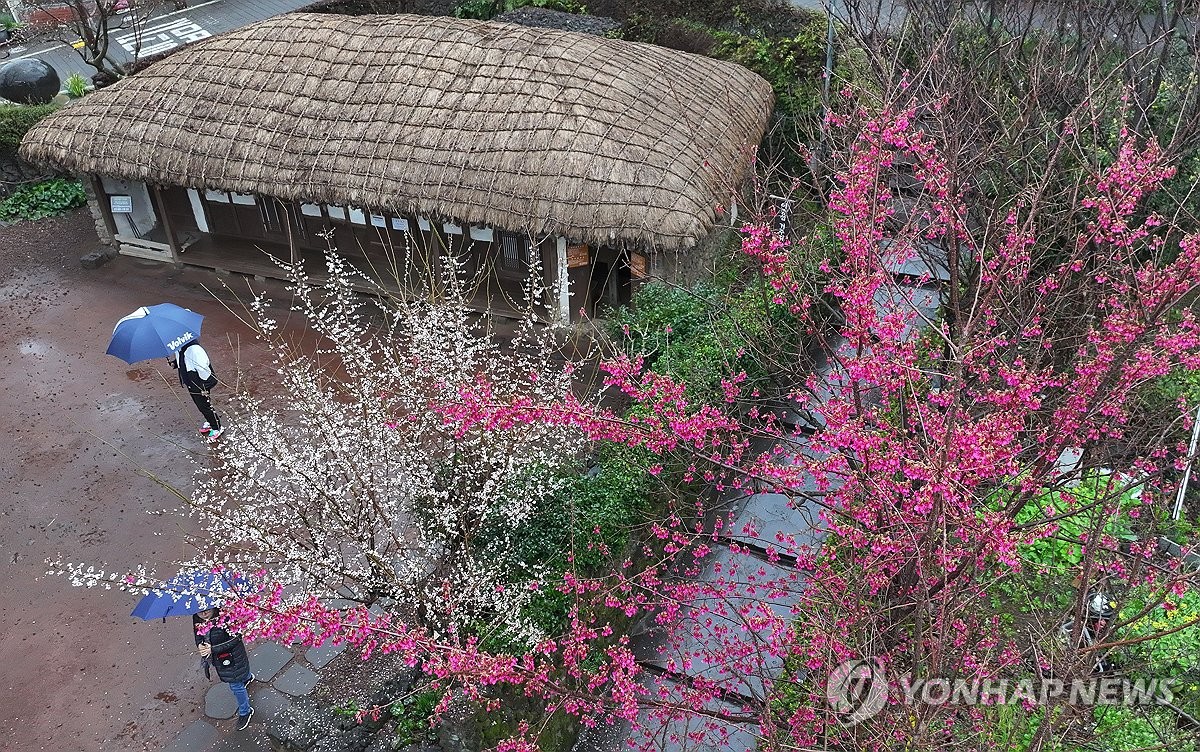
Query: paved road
x=164, y=31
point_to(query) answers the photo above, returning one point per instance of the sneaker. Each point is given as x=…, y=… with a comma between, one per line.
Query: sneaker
x=214, y=433
x=251, y=679
x=244, y=720
x=204, y=429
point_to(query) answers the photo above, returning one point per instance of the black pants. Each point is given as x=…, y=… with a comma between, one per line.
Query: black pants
x=202, y=402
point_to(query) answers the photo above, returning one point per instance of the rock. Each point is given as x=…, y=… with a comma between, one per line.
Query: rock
x=95, y=259
x=28, y=81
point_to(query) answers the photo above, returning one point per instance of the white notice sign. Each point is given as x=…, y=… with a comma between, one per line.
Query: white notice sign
x=121, y=204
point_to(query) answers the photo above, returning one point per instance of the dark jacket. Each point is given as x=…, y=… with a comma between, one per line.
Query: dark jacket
x=228, y=655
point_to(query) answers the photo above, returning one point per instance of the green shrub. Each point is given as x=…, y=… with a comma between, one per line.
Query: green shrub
x=411, y=715
x=1175, y=652
x=488, y=9
x=1062, y=552
x=794, y=66
x=15, y=122
x=44, y=199
x=1124, y=729
x=703, y=335
x=611, y=498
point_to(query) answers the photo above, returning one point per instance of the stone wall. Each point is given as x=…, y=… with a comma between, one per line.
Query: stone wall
x=697, y=264
x=15, y=173
x=93, y=205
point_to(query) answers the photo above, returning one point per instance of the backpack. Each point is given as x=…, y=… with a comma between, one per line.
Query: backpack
x=204, y=384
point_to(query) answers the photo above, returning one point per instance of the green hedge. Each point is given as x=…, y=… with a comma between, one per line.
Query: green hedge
x=15, y=122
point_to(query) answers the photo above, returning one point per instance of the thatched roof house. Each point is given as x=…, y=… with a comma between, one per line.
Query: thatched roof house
x=533, y=130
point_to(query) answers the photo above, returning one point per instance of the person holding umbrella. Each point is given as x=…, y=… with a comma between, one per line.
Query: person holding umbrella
x=196, y=375
x=197, y=594
x=226, y=653
x=169, y=331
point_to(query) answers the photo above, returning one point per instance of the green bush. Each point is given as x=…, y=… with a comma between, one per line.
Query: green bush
x=609, y=499
x=488, y=9
x=794, y=66
x=15, y=122
x=1124, y=729
x=703, y=335
x=411, y=715
x=44, y=199
x=1060, y=553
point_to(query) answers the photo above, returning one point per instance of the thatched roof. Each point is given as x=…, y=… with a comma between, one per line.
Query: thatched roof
x=489, y=123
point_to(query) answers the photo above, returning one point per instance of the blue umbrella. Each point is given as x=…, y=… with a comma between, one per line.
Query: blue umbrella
x=154, y=332
x=185, y=594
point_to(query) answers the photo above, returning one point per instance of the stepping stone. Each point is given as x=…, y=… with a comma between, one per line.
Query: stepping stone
x=219, y=701
x=197, y=737
x=268, y=703
x=320, y=657
x=297, y=680
x=266, y=659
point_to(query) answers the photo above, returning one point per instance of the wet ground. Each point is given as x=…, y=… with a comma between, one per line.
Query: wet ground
x=81, y=429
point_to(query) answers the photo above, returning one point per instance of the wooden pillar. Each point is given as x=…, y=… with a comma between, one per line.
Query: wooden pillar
x=562, y=284
x=160, y=206
x=290, y=219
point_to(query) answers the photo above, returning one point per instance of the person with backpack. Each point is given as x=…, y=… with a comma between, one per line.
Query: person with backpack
x=227, y=654
x=196, y=375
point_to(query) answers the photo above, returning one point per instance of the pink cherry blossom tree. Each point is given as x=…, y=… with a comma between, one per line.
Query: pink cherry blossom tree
x=921, y=459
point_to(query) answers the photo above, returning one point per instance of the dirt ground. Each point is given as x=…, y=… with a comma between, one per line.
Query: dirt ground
x=76, y=671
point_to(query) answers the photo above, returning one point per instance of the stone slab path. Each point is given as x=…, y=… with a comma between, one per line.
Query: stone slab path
x=280, y=674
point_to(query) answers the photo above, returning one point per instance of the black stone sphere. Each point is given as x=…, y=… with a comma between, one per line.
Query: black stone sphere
x=28, y=81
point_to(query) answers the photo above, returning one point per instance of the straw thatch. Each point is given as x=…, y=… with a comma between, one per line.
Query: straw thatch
x=522, y=128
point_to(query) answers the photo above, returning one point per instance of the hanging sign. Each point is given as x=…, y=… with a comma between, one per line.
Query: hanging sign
x=638, y=265
x=578, y=255
x=121, y=204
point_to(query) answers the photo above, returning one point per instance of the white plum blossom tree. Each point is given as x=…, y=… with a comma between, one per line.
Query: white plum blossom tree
x=338, y=481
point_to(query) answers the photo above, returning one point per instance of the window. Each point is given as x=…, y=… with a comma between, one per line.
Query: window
x=513, y=256
x=269, y=212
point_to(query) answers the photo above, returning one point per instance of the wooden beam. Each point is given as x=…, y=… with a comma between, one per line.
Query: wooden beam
x=160, y=206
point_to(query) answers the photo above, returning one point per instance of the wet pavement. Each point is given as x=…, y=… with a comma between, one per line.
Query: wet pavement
x=82, y=430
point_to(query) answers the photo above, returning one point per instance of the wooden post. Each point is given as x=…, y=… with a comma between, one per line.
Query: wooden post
x=290, y=219
x=563, y=284
x=160, y=206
